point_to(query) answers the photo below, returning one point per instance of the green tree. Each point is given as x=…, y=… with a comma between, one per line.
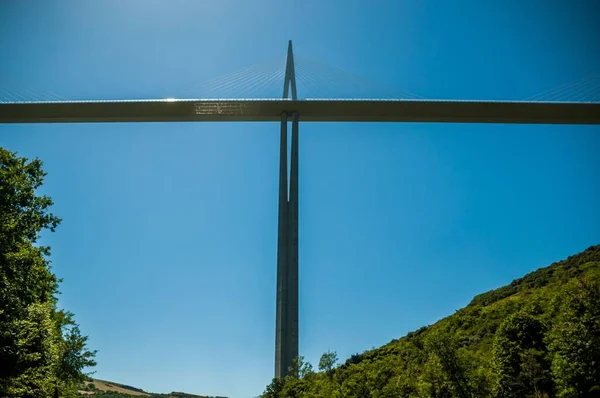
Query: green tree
x=433, y=381
x=454, y=367
x=274, y=389
x=38, y=344
x=74, y=357
x=34, y=344
x=328, y=361
x=300, y=368
x=575, y=340
x=519, y=357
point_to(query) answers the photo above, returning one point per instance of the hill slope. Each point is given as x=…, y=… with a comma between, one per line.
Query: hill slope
x=109, y=389
x=536, y=337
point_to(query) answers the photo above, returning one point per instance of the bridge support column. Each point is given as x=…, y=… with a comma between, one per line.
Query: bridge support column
x=286, y=335
x=281, y=332
x=293, y=244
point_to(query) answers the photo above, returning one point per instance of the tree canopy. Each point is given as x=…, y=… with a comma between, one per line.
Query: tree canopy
x=42, y=351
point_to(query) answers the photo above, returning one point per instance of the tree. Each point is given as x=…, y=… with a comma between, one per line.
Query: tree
x=519, y=357
x=575, y=340
x=299, y=368
x=38, y=345
x=451, y=363
x=328, y=361
x=74, y=357
x=274, y=389
x=433, y=381
x=33, y=348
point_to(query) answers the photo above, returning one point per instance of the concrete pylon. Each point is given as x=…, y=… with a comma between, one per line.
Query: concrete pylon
x=286, y=334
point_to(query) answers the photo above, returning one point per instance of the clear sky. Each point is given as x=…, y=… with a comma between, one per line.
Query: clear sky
x=168, y=244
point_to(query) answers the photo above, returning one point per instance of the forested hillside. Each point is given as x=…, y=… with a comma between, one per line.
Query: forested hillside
x=537, y=337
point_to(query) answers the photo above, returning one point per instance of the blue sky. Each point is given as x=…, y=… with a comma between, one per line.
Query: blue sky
x=168, y=244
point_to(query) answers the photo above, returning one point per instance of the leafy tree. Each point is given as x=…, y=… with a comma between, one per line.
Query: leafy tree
x=74, y=357
x=300, y=368
x=452, y=365
x=575, y=340
x=34, y=353
x=519, y=357
x=38, y=345
x=328, y=361
x=433, y=381
x=274, y=389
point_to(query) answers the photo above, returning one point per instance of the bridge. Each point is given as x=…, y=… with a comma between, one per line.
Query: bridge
x=564, y=106
x=317, y=110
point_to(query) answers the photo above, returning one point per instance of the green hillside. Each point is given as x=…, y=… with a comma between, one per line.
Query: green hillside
x=537, y=337
x=109, y=389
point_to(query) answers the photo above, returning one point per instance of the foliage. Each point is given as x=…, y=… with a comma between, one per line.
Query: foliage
x=328, y=361
x=519, y=357
x=453, y=366
x=557, y=272
x=274, y=389
x=41, y=348
x=575, y=340
x=537, y=337
x=38, y=354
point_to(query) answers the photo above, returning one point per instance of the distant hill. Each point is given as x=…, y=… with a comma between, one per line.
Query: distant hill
x=109, y=389
x=97, y=386
x=539, y=336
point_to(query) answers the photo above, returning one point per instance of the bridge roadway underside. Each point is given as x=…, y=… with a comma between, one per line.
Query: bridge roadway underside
x=311, y=111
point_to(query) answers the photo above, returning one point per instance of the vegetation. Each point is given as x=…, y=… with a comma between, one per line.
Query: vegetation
x=42, y=351
x=537, y=337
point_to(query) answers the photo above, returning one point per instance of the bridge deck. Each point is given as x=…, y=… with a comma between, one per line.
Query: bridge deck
x=309, y=111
